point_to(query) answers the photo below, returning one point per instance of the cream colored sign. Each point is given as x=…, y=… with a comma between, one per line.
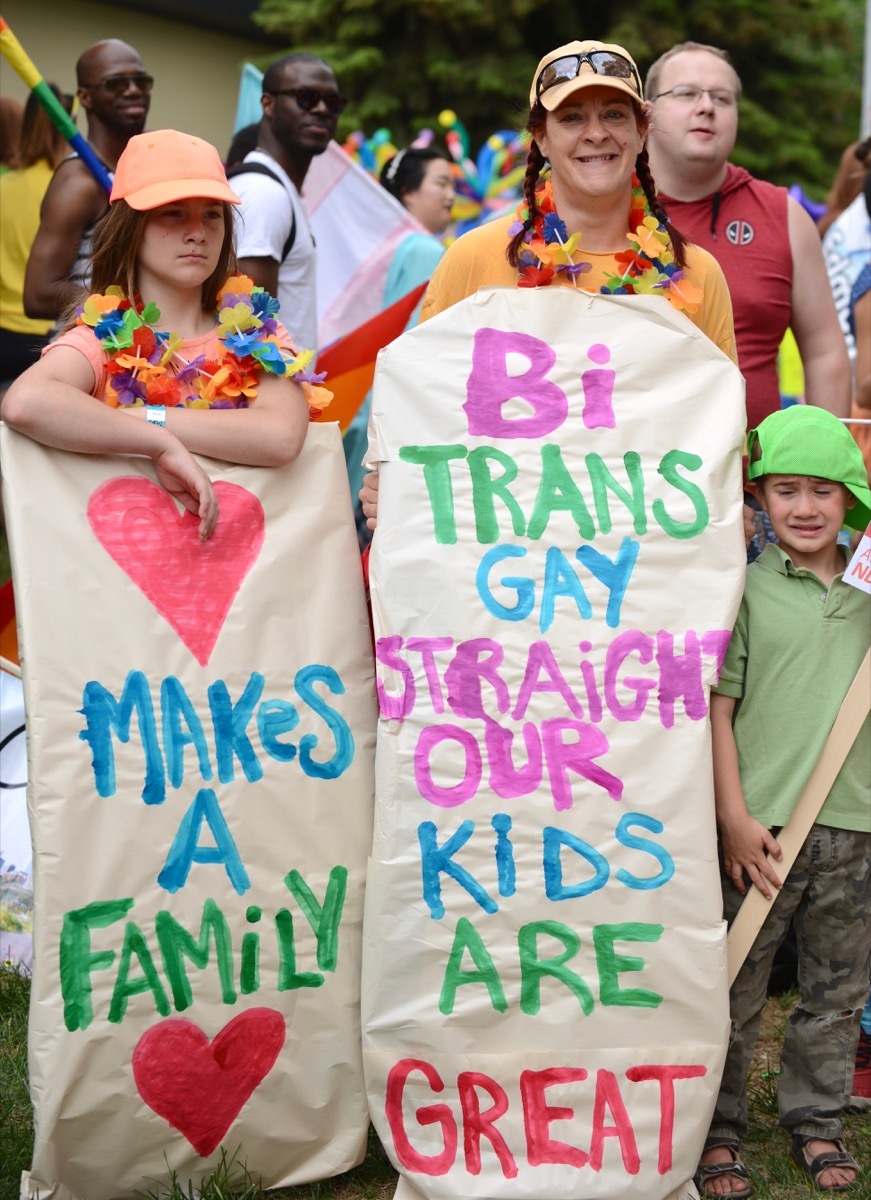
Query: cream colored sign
x=558, y=562
x=200, y=722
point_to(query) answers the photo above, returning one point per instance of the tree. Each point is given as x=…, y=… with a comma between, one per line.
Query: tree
x=403, y=61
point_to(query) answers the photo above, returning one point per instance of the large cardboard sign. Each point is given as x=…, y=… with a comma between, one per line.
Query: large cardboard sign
x=200, y=728
x=558, y=563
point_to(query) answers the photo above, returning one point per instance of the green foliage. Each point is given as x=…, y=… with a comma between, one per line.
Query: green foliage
x=5, y=569
x=16, y=1130
x=403, y=61
x=231, y=1180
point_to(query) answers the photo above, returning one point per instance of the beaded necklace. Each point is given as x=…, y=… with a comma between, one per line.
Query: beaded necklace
x=648, y=265
x=146, y=366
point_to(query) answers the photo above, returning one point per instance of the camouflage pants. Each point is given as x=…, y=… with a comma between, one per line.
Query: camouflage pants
x=828, y=893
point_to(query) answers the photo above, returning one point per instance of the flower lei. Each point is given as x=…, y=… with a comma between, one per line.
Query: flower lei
x=147, y=367
x=648, y=265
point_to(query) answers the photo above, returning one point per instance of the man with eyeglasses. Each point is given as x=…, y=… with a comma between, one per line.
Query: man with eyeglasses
x=115, y=92
x=301, y=105
x=766, y=243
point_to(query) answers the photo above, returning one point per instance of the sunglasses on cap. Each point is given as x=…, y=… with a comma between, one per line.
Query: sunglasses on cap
x=603, y=62
x=308, y=98
x=118, y=84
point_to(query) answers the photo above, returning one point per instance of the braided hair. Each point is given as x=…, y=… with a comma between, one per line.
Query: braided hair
x=678, y=242
x=535, y=163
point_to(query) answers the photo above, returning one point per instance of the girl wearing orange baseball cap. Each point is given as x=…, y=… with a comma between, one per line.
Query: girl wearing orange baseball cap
x=170, y=333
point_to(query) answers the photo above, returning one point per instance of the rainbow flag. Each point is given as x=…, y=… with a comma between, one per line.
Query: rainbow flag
x=15, y=55
x=350, y=361
x=357, y=226
x=8, y=628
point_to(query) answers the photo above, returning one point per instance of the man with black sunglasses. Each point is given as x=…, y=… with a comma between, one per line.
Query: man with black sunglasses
x=301, y=105
x=114, y=90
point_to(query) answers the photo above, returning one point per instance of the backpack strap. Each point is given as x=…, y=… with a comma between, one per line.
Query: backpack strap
x=255, y=168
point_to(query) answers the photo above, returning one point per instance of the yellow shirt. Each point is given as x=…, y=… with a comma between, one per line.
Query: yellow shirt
x=477, y=259
x=21, y=194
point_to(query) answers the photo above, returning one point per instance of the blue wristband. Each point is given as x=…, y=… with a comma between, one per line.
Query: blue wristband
x=155, y=414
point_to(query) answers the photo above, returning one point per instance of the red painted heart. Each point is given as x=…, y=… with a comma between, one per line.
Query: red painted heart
x=198, y=1086
x=192, y=584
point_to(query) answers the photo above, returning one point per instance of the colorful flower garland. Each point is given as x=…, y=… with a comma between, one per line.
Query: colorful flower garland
x=648, y=264
x=147, y=367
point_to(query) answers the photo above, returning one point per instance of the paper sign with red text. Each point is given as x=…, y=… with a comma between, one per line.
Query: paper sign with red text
x=557, y=566
x=200, y=729
x=858, y=572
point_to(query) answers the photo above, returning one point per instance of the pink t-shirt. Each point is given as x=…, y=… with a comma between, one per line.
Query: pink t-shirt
x=83, y=339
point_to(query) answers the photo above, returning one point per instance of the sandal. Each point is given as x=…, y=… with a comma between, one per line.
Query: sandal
x=708, y=1171
x=814, y=1167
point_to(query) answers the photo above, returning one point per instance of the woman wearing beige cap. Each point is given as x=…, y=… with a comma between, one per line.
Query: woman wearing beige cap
x=171, y=333
x=590, y=218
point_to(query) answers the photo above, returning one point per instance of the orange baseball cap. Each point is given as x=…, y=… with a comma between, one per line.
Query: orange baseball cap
x=157, y=168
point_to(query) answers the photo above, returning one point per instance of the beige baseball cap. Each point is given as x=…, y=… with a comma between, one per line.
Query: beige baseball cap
x=578, y=65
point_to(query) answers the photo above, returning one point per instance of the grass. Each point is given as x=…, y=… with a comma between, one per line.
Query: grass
x=16, y=1128
x=5, y=567
x=765, y=1149
x=374, y=1179
x=231, y=1178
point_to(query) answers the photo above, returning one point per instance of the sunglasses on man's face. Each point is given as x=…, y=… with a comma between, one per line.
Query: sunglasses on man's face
x=118, y=84
x=308, y=98
x=603, y=62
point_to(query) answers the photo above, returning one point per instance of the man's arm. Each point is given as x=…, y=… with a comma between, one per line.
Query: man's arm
x=862, y=365
x=73, y=202
x=264, y=272
x=814, y=319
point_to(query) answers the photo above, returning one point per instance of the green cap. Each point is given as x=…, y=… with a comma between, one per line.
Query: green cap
x=805, y=440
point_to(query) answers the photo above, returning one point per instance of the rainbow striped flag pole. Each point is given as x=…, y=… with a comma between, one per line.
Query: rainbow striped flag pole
x=15, y=55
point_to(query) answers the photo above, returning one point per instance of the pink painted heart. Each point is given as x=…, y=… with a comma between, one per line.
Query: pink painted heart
x=192, y=584
x=198, y=1086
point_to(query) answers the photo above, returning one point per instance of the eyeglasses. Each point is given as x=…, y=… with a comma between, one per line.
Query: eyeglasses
x=603, y=62
x=688, y=93
x=308, y=98
x=118, y=84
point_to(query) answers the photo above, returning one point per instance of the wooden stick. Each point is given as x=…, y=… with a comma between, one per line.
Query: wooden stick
x=850, y=718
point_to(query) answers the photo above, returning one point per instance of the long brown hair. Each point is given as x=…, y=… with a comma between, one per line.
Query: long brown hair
x=39, y=139
x=11, y=116
x=115, y=253
x=535, y=163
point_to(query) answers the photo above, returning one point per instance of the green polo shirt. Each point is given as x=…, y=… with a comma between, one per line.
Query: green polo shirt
x=793, y=654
